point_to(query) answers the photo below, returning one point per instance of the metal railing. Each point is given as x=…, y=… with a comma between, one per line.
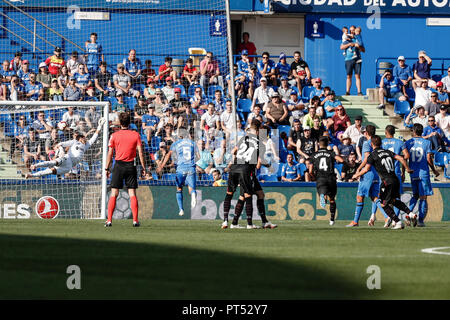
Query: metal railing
x=439, y=65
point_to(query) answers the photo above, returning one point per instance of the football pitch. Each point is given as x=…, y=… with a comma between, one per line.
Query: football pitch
x=173, y=259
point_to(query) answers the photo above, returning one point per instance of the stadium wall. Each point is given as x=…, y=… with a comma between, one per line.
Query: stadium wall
x=296, y=201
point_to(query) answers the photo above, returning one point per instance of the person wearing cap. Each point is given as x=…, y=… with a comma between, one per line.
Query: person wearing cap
x=73, y=63
x=168, y=89
x=306, y=145
x=16, y=62
x=150, y=122
x=120, y=105
x=150, y=90
x=167, y=118
x=317, y=89
x=24, y=72
x=295, y=106
x=243, y=66
x=177, y=101
x=55, y=62
x=72, y=92
x=250, y=83
x=190, y=73
x=262, y=94
x=299, y=65
x=331, y=104
x=210, y=72
x=247, y=45
x=133, y=67
x=422, y=69
x=103, y=81
x=285, y=89
x=55, y=92
x=166, y=70
x=442, y=95
x=403, y=71
x=354, y=131
x=282, y=68
x=266, y=68
x=346, y=147
x=169, y=167
x=5, y=72
x=419, y=116
x=277, y=112
x=43, y=76
x=122, y=82
x=443, y=120
x=94, y=54
x=391, y=87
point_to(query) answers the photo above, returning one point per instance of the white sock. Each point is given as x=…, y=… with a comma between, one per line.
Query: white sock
x=45, y=172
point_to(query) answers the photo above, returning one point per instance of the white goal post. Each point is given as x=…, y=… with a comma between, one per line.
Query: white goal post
x=79, y=193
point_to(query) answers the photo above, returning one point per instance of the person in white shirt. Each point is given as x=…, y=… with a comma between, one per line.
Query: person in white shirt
x=209, y=119
x=446, y=81
x=65, y=163
x=262, y=94
x=226, y=119
x=354, y=131
x=73, y=63
x=443, y=120
x=71, y=118
x=423, y=93
x=421, y=117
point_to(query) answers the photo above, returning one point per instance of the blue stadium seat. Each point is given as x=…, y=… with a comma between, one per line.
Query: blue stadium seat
x=212, y=90
x=271, y=178
x=339, y=167
x=447, y=170
x=440, y=158
x=284, y=128
x=154, y=144
x=411, y=94
x=244, y=105
x=402, y=107
x=9, y=126
x=295, y=88
x=131, y=102
x=302, y=168
x=306, y=91
x=377, y=80
x=168, y=177
x=283, y=151
x=191, y=89
x=206, y=177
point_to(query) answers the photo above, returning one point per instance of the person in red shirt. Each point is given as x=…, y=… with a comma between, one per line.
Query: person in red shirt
x=16, y=63
x=148, y=72
x=166, y=70
x=247, y=45
x=124, y=143
x=190, y=73
x=55, y=62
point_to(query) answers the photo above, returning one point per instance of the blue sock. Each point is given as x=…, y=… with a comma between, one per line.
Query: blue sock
x=358, y=211
x=378, y=205
x=423, y=209
x=180, y=199
x=412, y=203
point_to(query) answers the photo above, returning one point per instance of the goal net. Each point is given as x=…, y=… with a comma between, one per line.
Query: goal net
x=148, y=47
x=52, y=159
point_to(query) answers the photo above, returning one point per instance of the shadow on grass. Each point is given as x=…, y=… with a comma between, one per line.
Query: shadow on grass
x=34, y=267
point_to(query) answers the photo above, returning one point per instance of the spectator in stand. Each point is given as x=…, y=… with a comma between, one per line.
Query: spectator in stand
x=187, y=120
x=222, y=157
x=34, y=90
x=277, y=112
x=150, y=91
x=103, y=81
x=422, y=69
x=167, y=118
x=16, y=63
x=419, y=116
x=422, y=92
x=391, y=87
x=205, y=162
x=44, y=77
x=168, y=90
x=349, y=168
x=285, y=90
x=122, y=82
x=159, y=102
x=139, y=110
x=166, y=70
x=345, y=148
x=243, y=67
x=262, y=94
x=42, y=128
x=308, y=119
x=442, y=95
x=435, y=135
x=295, y=133
x=306, y=145
x=150, y=122
x=63, y=77
x=190, y=74
x=300, y=73
x=178, y=101
x=352, y=48
x=71, y=118
x=92, y=116
x=219, y=102
x=94, y=54
x=73, y=63
x=432, y=107
x=133, y=67
x=24, y=72
x=282, y=67
x=317, y=89
x=168, y=136
x=31, y=149
x=403, y=72
x=256, y=112
x=443, y=120
x=20, y=133
x=354, y=131
x=326, y=95
x=218, y=181
x=56, y=93
x=446, y=81
x=266, y=68
x=318, y=129
x=55, y=62
x=72, y=92
x=209, y=120
x=83, y=78
x=290, y=171
x=148, y=73
x=120, y=106
x=296, y=107
x=331, y=105
x=238, y=84
x=252, y=82
x=247, y=45
x=169, y=167
x=226, y=120
x=198, y=101
x=339, y=122
x=6, y=73
x=13, y=91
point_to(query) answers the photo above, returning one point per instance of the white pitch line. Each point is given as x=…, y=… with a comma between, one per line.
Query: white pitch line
x=435, y=250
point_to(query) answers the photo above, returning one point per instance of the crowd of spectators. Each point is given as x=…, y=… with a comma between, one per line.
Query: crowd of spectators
x=282, y=96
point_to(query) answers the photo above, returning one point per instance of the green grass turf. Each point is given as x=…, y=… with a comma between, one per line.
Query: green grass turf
x=172, y=259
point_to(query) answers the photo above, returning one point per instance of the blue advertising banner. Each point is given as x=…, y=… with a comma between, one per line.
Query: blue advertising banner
x=441, y=7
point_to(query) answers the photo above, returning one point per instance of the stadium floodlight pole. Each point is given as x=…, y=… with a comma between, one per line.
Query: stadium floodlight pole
x=231, y=64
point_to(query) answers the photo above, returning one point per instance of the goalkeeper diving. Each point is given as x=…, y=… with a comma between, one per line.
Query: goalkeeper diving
x=64, y=164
